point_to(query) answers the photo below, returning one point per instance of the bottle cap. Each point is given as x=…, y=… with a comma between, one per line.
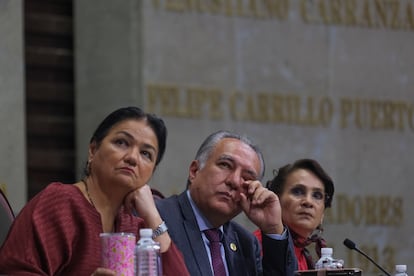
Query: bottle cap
x=145, y=232
x=400, y=268
x=326, y=251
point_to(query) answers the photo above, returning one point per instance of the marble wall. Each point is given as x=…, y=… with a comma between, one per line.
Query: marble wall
x=12, y=104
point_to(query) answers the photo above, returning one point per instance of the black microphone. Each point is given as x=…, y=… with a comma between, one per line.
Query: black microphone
x=351, y=245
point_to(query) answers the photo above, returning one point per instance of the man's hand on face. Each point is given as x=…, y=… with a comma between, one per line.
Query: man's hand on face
x=262, y=207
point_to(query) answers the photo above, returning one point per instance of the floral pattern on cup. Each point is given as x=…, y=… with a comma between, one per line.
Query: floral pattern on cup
x=118, y=252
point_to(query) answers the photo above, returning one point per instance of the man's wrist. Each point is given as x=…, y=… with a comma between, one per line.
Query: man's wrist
x=281, y=236
x=276, y=229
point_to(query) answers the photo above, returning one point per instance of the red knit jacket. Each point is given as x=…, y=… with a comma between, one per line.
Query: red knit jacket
x=57, y=233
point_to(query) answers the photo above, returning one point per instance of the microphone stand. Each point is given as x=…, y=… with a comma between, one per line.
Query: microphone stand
x=351, y=245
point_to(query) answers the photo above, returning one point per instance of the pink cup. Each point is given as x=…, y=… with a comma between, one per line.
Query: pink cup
x=118, y=252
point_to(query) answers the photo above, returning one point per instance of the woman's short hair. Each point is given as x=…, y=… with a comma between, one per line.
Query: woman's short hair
x=277, y=184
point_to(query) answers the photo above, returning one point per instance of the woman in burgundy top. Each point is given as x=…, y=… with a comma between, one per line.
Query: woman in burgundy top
x=304, y=191
x=57, y=232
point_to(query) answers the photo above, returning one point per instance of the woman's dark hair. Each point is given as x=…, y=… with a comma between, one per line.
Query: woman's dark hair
x=277, y=184
x=135, y=113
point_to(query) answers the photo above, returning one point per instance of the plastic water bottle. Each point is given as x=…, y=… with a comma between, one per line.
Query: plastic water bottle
x=400, y=270
x=147, y=255
x=326, y=260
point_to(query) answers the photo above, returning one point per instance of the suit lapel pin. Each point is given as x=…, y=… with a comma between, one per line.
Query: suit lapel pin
x=233, y=246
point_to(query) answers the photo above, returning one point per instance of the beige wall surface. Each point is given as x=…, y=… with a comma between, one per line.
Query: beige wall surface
x=107, y=63
x=12, y=108
x=330, y=80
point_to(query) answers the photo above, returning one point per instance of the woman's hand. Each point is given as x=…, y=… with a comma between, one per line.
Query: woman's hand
x=142, y=201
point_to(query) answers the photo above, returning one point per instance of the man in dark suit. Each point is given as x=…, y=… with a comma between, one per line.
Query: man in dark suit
x=224, y=180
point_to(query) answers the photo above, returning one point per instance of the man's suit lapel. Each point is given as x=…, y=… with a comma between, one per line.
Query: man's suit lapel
x=193, y=235
x=234, y=253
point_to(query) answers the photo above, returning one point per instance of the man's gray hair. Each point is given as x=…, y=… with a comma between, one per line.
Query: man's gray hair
x=211, y=141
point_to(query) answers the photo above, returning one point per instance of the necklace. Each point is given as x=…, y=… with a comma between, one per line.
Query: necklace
x=87, y=192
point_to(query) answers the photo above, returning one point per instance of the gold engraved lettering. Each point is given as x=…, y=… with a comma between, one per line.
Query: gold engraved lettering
x=304, y=12
x=392, y=14
x=358, y=116
x=234, y=106
x=292, y=108
x=369, y=210
x=264, y=9
x=216, y=99
x=389, y=260
x=3, y=187
x=278, y=8
x=262, y=107
x=366, y=15
x=289, y=109
x=309, y=117
x=313, y=115
x=323, y=13
x=400, y=115
x=326, y=111
x=384, y=204
x=156, y=4
x=350, y=9
x=176, y=5
x=381, y=12
x=161, y=99
x=194, y=102
x=410, y=116
x=239, y=8
x=256, y=108
x=296, y=104
x=397, y=211
x=376, y=114
x=345, y=111
x=276, y=111
x=410, y=17
x=388, y=110
x=375, y=120
x=342, y=211
x=253, y=9
x=395, y=8
x=216, y=6
x=356, y=209
x=228, y=9
x=306, y=114
x=370, y=207
x=203, y=102
x=249, y=113
x=336, y=17
x=194, y=5
x=261, y=9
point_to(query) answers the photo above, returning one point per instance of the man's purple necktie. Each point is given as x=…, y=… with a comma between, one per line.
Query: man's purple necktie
x=213, y=235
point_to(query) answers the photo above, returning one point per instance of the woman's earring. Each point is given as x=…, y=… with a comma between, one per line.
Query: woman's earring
x=317, y=233
x=88, y=166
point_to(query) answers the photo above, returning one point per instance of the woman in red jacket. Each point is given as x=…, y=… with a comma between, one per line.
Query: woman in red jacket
x=57, y=232
x=304, y=191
